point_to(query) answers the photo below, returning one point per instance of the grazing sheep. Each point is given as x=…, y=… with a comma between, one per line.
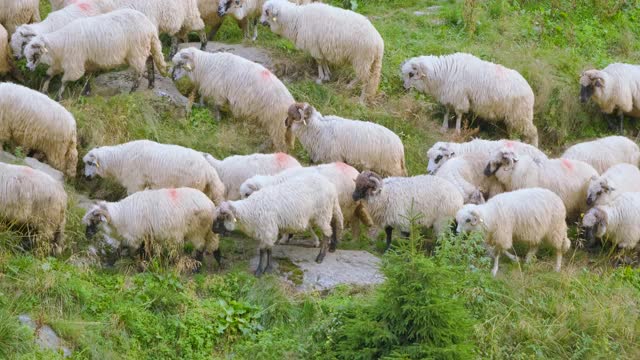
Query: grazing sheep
x=235, y=170
x=132, y=39
x=289, y=207
x=144, y=164
x=249, y=89
x=38, y=124
x=466, y=173
x=241, y=10
x=393, y=202
x=440, y=152
x=31, y=197
x=209, y=13
x=606, y=152
x=363, y=145
x=14, y=13
x=619, y=220
x=618, y=179
x=465, y=83
x=569, y=179
x=616, y=88
x=169, y=218
x=332, y=36
x=527, y=216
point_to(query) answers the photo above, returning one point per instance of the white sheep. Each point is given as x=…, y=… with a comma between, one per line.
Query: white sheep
x=332, y=36
x=616, y=180
x=465, y=83
x=14, y=13
x=615, y=89
x=144, y=164
x=395, y=201
x=440, y=152
x=235, y=170
x=606, y=152
x=31, y=197
x=5, y=53
x=363, y=145
x=529, y=216
x=38, y=124
x=619, y=220
x=289, y=207
x=100, y=42
x=243, y=10
x=466, y=173
x=248, y=89
x=569, y=179
x=169, y=218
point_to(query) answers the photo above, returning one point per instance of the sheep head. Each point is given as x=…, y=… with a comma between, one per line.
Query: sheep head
x=234, y=7
x=594, y=223
x=438, y=155
x=503, y=158
x=469, y=219
x=225, y=218
x=476, y=198
x=414, y=72
x=20, y=39
x=92, y=165
x=597, y=188
x=96, y=216
x=270, y=13
x=368, y=184
x=248, y=187
x=590, y=82
x=183, y=63
x=298, y=113
x=35, y=50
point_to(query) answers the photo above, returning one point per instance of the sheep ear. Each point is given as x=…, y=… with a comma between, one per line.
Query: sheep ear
x=103, y=218
x=252, y=187
x=598, y=82
x=308, y=110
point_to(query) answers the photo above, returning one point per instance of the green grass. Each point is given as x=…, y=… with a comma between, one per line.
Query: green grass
x=589, y=311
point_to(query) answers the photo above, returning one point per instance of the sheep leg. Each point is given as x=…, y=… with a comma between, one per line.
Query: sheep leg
x=45, y=85
x=511, y=257
x=558, y=261
x=136, y=82
x=61, y=90
x=200, y=258
x=532, y=252
x=388, y=230
x=323, y=250
x=214, y=30
x=320, y=74
x=218, y=256
x=458, y=122
x=445, y=122
x=150, y=72
x=255, y=29
x=621, y=115
x=203, y=39
x=190, y=100
x=496, y=260
x=327, y=71
x=269, y=268
x=174, y=46
x=259, y=270
x=216, y=113
x=333, y=245
x=86, y=91
x=314, y=236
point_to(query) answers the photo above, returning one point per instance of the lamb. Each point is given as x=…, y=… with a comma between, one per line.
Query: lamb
x=466, y=172
x=465, y=83
x=351, y=39
x=38, y=124
x=341, y=175
x=247, y=88
x=144, y=164
x=528, y=216
x=394, y=201
x=241, y=10
x=14, y=13
x=165, y=218
x=288, y=207
x=605, y=153
x=569, y=179
x=235, y=170
x=31, y=197
x=440, y=152
x=618, y=179
x=615, y=89
x=132, y=40
x=363, y=145
x=617, y=220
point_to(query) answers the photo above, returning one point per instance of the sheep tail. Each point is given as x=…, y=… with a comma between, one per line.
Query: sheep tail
x=158, y=57
x=376, y=70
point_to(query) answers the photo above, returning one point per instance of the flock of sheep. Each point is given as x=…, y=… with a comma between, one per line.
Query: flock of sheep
x=507, y=189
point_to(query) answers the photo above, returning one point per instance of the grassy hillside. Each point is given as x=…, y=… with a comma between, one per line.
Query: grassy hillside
x=444, y=305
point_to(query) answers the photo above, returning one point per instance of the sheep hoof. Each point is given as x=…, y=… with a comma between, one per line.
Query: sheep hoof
x=332, y=247
x=258, y=272
x=320, y=258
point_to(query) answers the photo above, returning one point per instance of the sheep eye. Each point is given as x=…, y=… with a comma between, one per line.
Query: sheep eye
x=468, y=220
x=266, y=12
x=237, y=2
x=599, y=192
x=438, y=158
x=411, y=74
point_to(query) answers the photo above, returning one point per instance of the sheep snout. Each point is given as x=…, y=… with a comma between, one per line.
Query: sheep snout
x=585, y=93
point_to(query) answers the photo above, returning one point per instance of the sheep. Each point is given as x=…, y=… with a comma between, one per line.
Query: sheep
x=363, y=145
x=615, y=89
x=144, y=164
x=440, y=152
x=341, y=175
x=288, y=207
x=466, y=172
x=38, y=124
x=241, y=10
x=618, y=179
x=394, y=201
x=132, y=39
x=332, y=36
x=14, y=13
x=618, y=220
x=528, y=216
x=5, y=58
x=569, y=179
x=31, y=197
x=466, y=83
x=235, y=170
x=249, y=89
x=606, y=152
x=169, y=218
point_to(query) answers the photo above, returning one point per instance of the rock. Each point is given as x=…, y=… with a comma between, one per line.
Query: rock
x=46, y=338
x=351, y=267
x=34, y=164
x=114, y=83
x=261, y=56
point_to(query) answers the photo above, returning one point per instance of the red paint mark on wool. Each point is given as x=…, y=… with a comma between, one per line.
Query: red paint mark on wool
x=266, y=74
x=509, y=144
x=343, y=167
x=283, y=160
x=567, y=164
x=28, y=171
x=173, y=195
x=500, y=70
x=84, y=6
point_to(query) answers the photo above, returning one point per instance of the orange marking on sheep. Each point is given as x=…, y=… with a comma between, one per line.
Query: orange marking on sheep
x=173, y=195
x=84, y=6
x=509, y=144
x=282, y=160
x=28, y=171
x=567, y=164
x=266, y=74
x=345, y=168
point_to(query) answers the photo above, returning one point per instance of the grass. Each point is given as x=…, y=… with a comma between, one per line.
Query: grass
x=588, y=311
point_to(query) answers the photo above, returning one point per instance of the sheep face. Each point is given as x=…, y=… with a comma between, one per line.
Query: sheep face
x=413, y=74
x=438, y=155
x=299, y=114
x=248, y=188
x=35, y=52
x=20, y=39
x=368, y=184
x=597, y=189
x=226, y=219
x=594, y=224
x=237, y=8
x=503, y=159
x=591, y=82
x=92, y=165
x=270, y=13
x=94, y=218
x=183, y=63
x=468, y=219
